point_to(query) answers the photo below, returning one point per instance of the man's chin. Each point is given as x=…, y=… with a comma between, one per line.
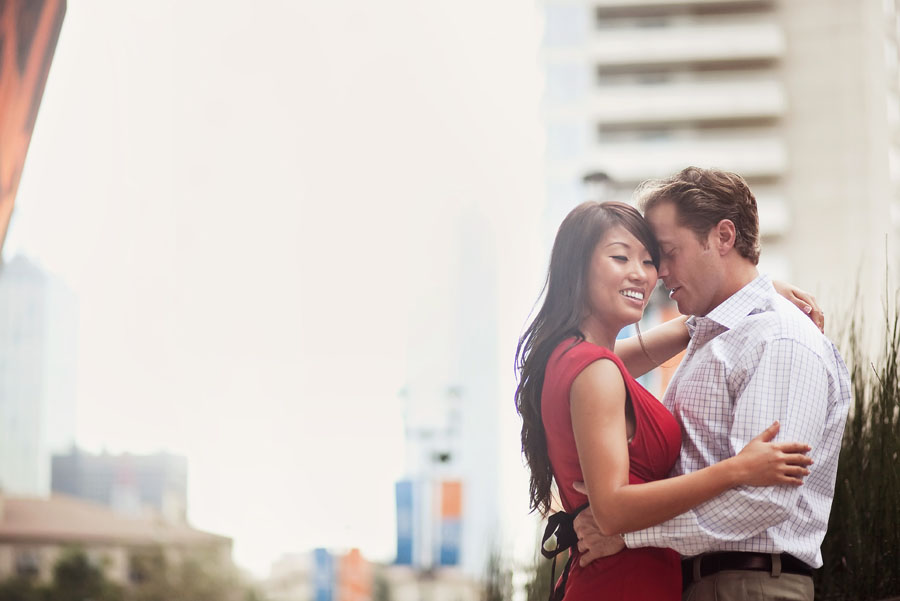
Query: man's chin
x=683, y=309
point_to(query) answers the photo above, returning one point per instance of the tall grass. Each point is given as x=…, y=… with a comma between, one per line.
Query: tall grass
x=861, y=550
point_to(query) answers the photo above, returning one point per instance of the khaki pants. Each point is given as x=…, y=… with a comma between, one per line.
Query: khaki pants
x=748, y=585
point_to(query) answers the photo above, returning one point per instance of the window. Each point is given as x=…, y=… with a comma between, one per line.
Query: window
x=28, y=562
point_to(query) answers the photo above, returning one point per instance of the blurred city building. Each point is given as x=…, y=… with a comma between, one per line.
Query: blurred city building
x=132, y=485
x=448, y=505
x=801, y=97
x=34, y=532
x=403, y=584
x=325, y=575
x=38, y=323
x=321, y=575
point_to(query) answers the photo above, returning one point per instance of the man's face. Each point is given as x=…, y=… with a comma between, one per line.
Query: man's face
x=691, y=271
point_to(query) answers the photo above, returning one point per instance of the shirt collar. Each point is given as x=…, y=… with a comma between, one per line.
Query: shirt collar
x=754, y=297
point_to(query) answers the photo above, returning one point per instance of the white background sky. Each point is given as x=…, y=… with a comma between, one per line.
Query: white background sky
x=243, y=196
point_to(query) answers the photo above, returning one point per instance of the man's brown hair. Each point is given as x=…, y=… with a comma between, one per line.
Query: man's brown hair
x=704, y=197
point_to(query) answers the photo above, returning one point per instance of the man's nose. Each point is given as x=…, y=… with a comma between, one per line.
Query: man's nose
x=663, y=270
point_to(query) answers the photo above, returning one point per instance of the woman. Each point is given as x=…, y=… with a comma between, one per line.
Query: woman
x=584, y=417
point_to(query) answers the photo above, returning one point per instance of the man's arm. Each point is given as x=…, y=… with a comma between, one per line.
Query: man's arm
x=781, y=379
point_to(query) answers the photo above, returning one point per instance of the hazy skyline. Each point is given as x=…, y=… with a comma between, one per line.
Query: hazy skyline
x=247, y=201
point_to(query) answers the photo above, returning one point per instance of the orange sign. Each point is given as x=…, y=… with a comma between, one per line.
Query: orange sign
x=354, y=577
x=29, y=30
x=669, y=311
x=451, y=499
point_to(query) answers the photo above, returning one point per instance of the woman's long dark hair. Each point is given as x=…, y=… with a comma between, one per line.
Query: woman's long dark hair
x=564, y=308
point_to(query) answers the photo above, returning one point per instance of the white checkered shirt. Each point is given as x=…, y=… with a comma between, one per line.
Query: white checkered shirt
x=754, y=359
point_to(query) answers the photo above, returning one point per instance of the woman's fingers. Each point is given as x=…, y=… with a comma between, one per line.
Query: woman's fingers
x=811, y=307
x=793, y=447
x=796, y=471
x=769, y=433
x=797, y=459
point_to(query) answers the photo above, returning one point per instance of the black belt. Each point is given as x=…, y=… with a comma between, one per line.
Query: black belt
x=712, y=563
x=560, y=524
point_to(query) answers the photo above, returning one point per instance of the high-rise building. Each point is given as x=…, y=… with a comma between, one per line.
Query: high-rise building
x=38, y=317
x=133, y=485
x=798, y=96
x=449, y=504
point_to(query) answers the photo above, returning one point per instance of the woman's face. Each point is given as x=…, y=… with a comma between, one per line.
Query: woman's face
x=621, y=277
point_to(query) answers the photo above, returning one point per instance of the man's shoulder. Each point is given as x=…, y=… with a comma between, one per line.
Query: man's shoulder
x=780, y=320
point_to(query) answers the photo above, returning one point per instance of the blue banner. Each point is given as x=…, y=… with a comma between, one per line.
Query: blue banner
x=323, y=575
x=405, y=521
x=451, y=530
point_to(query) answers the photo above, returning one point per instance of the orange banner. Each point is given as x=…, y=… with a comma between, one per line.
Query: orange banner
x=669, y=311
x=354, y=577
x=29, y=30
x=451, y=499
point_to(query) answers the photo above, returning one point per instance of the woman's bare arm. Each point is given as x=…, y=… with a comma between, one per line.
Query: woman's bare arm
x=661, y=343
x=666, y=340
x=597, y=402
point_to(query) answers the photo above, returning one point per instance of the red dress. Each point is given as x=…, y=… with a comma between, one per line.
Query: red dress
x=633, y=574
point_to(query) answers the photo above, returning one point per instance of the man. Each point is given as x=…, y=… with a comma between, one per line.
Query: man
x=753, y=358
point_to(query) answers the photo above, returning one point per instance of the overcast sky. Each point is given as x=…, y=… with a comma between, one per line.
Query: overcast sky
x=246, y=199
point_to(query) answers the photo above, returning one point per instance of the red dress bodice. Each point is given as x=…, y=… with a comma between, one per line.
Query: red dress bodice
x=633, y=574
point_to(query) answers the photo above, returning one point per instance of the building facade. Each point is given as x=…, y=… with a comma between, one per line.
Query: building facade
x=129, y=484
x=449, y=503
x=38, y=346
x=36, y=532
x=798, y=96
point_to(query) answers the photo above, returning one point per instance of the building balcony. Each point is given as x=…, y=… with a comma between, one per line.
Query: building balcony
x=752, y=156
x=690, y=44
x=666, y=3
x=687, y=102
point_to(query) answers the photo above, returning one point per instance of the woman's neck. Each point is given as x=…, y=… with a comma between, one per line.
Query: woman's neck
x=599, y=333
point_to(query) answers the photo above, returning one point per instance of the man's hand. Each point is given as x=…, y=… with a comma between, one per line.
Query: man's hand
x=591, y=543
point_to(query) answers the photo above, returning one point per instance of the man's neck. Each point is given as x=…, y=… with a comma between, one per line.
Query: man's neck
x=739, y=273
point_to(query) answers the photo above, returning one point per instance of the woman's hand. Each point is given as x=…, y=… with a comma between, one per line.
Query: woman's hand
x=766, y=463
x=805, y=301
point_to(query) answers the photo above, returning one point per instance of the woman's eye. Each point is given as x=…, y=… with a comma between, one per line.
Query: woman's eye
x=649, y=263
x=620, y=258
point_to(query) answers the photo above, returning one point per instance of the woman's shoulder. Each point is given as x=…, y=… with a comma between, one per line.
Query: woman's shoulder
x=575, y=354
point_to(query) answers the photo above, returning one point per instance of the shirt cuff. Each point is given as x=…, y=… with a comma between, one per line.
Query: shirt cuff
x=632, y=541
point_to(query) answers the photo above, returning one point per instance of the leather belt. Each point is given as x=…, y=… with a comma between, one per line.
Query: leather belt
x=712, y=563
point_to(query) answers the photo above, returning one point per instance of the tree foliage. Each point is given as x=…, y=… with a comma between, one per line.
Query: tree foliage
x=196, y=576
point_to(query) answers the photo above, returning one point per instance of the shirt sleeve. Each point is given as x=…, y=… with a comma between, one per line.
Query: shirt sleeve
x=780, y=379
